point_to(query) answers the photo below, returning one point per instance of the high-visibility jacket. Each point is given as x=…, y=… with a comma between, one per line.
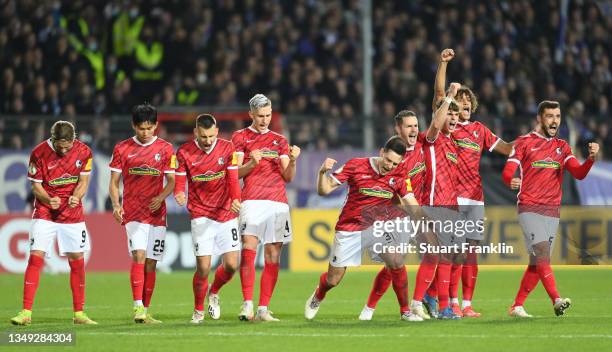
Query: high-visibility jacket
x=125, y=34
x=148, y=61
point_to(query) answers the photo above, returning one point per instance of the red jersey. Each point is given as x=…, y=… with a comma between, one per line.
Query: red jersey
x=368, y=192
x=59, y=176
x=208, y=187
x=143, y=167
x=471, y=138
x=264, y=182
x=541, y=163
x=441, y=174
x=413, y=167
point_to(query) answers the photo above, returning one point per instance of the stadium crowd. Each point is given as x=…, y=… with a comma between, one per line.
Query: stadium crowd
x=69, y=58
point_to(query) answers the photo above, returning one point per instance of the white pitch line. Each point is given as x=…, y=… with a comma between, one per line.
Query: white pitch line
x=420, y=334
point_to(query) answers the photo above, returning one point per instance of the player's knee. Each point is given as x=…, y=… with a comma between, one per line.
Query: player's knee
x=230, y=267
x=150, y=265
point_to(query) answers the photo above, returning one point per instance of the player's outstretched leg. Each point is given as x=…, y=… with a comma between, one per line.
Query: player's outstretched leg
x=382, y=281
x=30, y=284
x=327, y=281
x=528, y=283
x=223, y=275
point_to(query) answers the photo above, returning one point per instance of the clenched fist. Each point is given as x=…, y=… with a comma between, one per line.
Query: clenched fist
x=447, y=55
x=327, y=165
x=294, y=152
x=593, y=150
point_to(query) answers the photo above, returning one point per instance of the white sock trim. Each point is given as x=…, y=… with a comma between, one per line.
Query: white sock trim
x=465, y=303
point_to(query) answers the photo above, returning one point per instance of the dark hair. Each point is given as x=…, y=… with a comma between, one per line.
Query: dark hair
x=63, y=130
x=465, y=90
x=399, y=118
x=205, y=121
x=547, y=104
x=144, y=113
x=453, y=106
x=395, y=144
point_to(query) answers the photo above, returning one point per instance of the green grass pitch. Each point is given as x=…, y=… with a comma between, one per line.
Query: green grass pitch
x=587, y=326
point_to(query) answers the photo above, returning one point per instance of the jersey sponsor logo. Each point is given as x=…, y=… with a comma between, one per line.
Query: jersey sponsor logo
x=32, y=169
x=468, y=144
x=64, y=180
x=144, y=170
x=547, y=163
x=208, y=176
x=452, y=157
x=267, y=153
x=376, y=192
x=418, y=168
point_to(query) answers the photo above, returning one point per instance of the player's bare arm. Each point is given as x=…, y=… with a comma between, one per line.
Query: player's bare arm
x=288, y=165
x=79, y=191
x=157, y=201
x=440, y=83
x=113, y=191
x=43, y=197
x=245, y=169
x=439, y=119
x=504, y=148
x=325, y=183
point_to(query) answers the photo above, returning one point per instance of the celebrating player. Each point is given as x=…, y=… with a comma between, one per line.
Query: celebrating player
x=413, y=165
x=372, y=184
x=471, y=138
x=59, y=172
x=542, y=158
x=208, y=165
x=143, y=161
x=266, y=163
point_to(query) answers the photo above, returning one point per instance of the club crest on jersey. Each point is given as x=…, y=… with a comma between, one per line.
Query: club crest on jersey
x=32, y=169
x=78, y=164
x=468, y=144
x=144, y=170
x=157, y=157
x=559, y=151
x=547, y=163
x=418, y=168
x=476, y=134
x=208, y=176
x=392, y=181
x=221, y=161
x=65, y=179
x=376, y=192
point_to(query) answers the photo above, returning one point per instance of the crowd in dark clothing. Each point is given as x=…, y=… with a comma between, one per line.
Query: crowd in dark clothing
x=75, y=58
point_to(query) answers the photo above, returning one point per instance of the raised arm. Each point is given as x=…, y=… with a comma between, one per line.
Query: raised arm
x=288, y=165
x=325, y=183
x=440, y=83
x=580, y=171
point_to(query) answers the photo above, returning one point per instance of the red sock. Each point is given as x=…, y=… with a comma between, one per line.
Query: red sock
x=137, y=278
x=455, y=279
x=247, y=273
x=200, y=286
x=323, y=287
x=400, y=286
x=31, y=280
x=528, y=283
x=432, y=290
x=267, y=283
x=424, y=277
x=77, y=283
x=382, y=281
x=547, y=277
x=469, y=275
x=443, y=277
x=221, y=278
x=149, y=286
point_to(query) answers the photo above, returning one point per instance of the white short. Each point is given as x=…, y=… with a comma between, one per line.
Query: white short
x=538, y=228
x=445, y=221
x=391, y=239
x=349, y=245
x=472, y=210
x=269, y=221
x=71, y=238
x=146, y=237
x=214, y=238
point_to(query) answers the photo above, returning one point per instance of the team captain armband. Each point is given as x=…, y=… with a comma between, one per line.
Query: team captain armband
x=173, y=164
x=88, y=165
x=234, y=159
x=408, y=185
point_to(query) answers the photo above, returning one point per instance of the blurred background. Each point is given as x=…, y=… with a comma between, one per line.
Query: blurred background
x=336, y=71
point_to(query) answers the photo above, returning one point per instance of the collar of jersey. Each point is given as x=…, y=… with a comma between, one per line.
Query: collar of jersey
x=211, y=147
x=541, y=136
x=256, y=131
x=144, y=145
x=50, y=144
x=464, y=123
x=373, y=165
